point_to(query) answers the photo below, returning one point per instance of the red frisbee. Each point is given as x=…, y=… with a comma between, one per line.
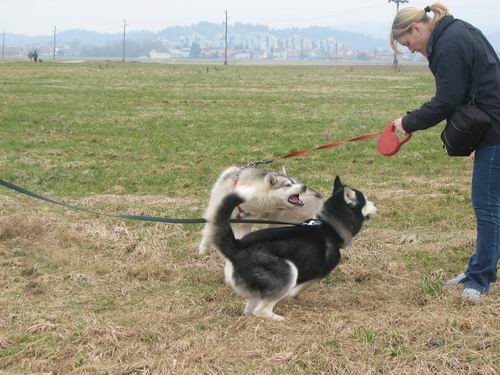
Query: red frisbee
x=388, y=142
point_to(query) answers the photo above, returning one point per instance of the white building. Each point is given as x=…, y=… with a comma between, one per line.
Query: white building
x=262, y=41
x=153, y=54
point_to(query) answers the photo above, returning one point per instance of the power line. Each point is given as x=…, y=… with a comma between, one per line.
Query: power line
x=123, y=49
x=3, y=42
x=54, y=49
x=395, y=62
x=225, y=44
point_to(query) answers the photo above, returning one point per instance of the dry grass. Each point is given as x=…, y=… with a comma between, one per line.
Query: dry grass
x=83, y=294
x=92, y=295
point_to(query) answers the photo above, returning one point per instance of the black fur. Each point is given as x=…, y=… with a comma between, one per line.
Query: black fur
x=261, y=260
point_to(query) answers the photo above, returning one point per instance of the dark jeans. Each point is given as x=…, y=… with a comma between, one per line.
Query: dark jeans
x=482, y=267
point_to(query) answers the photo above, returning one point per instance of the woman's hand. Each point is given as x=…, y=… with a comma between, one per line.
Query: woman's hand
x=398, y=125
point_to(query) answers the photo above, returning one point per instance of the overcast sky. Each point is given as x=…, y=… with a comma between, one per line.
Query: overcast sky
x=39, y=17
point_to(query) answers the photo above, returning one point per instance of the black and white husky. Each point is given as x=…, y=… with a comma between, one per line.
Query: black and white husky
x=268, y=265
x=277, y=196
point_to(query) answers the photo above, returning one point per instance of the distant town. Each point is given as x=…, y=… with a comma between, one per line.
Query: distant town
x=265, y=46
x=207, y=41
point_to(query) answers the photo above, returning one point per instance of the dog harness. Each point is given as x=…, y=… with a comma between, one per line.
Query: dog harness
x=312, y=222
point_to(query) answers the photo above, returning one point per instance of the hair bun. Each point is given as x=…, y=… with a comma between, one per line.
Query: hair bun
x=427, y=9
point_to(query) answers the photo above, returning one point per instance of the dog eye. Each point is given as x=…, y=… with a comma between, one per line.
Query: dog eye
x=288, y=184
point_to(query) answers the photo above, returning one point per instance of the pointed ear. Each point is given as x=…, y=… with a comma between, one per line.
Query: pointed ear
x=271, y=179
x=283, y=171
x=337, y=184
x=350, y=196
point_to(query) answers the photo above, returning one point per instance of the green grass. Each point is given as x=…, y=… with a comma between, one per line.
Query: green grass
x=86, y=294
x=74, y=130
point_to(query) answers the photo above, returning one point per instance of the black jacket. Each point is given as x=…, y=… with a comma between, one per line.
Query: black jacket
x=451, y=53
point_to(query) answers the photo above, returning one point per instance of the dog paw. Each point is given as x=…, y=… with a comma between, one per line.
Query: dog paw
x=203, y=250
x=277, y=317
x=271, y=316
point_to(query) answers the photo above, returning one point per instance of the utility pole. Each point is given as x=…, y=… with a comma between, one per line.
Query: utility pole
x=225, y=43
x=3, y=42
x=124, y=29
x=395, y=62
x=54, y=49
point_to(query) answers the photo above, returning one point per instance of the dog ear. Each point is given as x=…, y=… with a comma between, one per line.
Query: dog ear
x=337, y=185
x=271, y=179
x=283, y=171
x=350, y=196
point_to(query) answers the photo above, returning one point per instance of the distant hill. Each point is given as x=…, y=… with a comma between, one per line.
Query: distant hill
x=355, y=41
x=76, y=35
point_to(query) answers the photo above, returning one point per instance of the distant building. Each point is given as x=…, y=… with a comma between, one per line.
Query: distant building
x=280, y=54
x=213, y=53
x=242, y=56
x=159, y=55
x=180, y=53
x=235, y=41
x=259, y=55
x=262, y=41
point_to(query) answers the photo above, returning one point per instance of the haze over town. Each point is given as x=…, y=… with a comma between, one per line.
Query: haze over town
x=158, y=21
x=34, y=17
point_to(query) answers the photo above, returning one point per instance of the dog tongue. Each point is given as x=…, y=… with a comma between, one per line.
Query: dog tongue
x=294, y=199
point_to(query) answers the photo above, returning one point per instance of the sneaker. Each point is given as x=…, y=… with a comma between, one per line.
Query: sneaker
x=456, y=280
x=471, y=294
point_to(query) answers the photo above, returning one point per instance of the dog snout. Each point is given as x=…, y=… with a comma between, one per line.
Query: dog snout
x=303, y=189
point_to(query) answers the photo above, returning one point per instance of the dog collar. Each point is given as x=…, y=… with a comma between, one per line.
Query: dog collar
x=312, y=222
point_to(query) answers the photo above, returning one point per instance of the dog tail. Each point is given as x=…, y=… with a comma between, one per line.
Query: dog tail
x=223, y=234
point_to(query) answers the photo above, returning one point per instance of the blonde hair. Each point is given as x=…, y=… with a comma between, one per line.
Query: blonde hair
x=409, y=15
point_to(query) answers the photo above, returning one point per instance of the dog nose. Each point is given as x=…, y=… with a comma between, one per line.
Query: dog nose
x=304, y=188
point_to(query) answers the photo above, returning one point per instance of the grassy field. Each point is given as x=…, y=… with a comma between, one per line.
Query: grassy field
x=87, y=294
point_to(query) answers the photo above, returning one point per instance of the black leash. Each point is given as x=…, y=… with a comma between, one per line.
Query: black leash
x=157, y=219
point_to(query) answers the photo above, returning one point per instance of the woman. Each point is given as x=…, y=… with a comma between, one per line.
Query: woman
x=452, y=46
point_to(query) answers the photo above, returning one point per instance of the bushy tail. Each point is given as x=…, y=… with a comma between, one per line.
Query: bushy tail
x=223, y=234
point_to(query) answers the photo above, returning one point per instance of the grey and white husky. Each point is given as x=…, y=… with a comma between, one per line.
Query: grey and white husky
x=277, y=197
x=270, y=264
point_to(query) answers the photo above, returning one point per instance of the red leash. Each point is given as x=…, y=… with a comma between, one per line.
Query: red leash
x=302, y=152
x=389, y=142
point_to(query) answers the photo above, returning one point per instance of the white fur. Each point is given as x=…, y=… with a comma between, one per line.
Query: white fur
x=299, y=289
x=266, y=197
x=350, y=196
x=247, y=193
x=369, y=209
x=263, y=307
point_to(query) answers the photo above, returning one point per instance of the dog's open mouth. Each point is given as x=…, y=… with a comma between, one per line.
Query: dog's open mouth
x=295, y=200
